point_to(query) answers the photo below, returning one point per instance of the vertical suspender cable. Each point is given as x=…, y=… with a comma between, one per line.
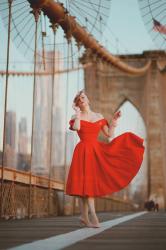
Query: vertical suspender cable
x=77, y=88
x=78, y=74
x=66, y=121
x=43, y=36
x=54, y=27
x=5, y=106
x=36, y=12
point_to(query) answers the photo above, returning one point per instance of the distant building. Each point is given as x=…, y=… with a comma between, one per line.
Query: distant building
x=10, y=158
x=48, y=136
x=22, y=136
x=10, y=136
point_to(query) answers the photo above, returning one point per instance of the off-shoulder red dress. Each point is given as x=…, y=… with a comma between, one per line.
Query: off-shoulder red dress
x=99, y=168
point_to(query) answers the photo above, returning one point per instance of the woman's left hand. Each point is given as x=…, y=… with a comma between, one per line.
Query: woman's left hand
x=117, y=115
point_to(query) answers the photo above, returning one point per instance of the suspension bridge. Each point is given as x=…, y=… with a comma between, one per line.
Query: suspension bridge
x=49, y=51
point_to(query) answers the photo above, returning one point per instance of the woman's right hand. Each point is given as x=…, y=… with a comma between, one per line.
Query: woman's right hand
x=77, y=111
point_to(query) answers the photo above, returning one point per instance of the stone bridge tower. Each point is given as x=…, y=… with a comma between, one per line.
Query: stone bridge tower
x=107, y=89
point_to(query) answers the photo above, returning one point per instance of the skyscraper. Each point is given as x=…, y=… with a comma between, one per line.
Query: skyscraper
x=10, y=135
x=23, y=136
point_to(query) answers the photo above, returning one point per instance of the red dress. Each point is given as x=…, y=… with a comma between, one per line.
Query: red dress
x=98, y=168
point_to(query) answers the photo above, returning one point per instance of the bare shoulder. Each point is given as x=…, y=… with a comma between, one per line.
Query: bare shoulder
x=73, y=116
x=99, y=115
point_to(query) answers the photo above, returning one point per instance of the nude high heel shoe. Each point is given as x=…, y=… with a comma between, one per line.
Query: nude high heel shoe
x=96, y=225
x=95, y=222
x=84, y=223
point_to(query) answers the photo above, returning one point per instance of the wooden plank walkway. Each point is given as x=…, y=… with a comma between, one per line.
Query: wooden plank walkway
x=147, y=231
x=17, y=232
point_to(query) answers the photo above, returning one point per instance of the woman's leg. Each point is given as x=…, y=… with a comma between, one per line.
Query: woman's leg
x=83, y=204
x=91, y=204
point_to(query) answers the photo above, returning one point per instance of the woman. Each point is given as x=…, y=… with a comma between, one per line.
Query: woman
x=99, y=168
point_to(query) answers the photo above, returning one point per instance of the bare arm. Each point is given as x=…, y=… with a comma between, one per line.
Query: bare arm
x=109, y=129
x=76, y=117
x=76, y=124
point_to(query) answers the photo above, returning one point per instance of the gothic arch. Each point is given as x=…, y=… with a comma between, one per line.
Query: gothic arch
x=135, y=105
x=132, y=121
x=109, y=91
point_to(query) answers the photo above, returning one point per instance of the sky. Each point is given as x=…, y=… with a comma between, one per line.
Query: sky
x=126, y=33
x=126, y=23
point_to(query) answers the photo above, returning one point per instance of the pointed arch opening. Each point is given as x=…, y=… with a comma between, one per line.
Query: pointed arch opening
x=131, y=120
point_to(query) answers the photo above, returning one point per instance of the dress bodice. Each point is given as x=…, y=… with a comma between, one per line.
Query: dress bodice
x=89, y=130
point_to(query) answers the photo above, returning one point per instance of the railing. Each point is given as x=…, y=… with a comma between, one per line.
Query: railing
x=18, y=202
x=45, y=199
x=23, y=177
